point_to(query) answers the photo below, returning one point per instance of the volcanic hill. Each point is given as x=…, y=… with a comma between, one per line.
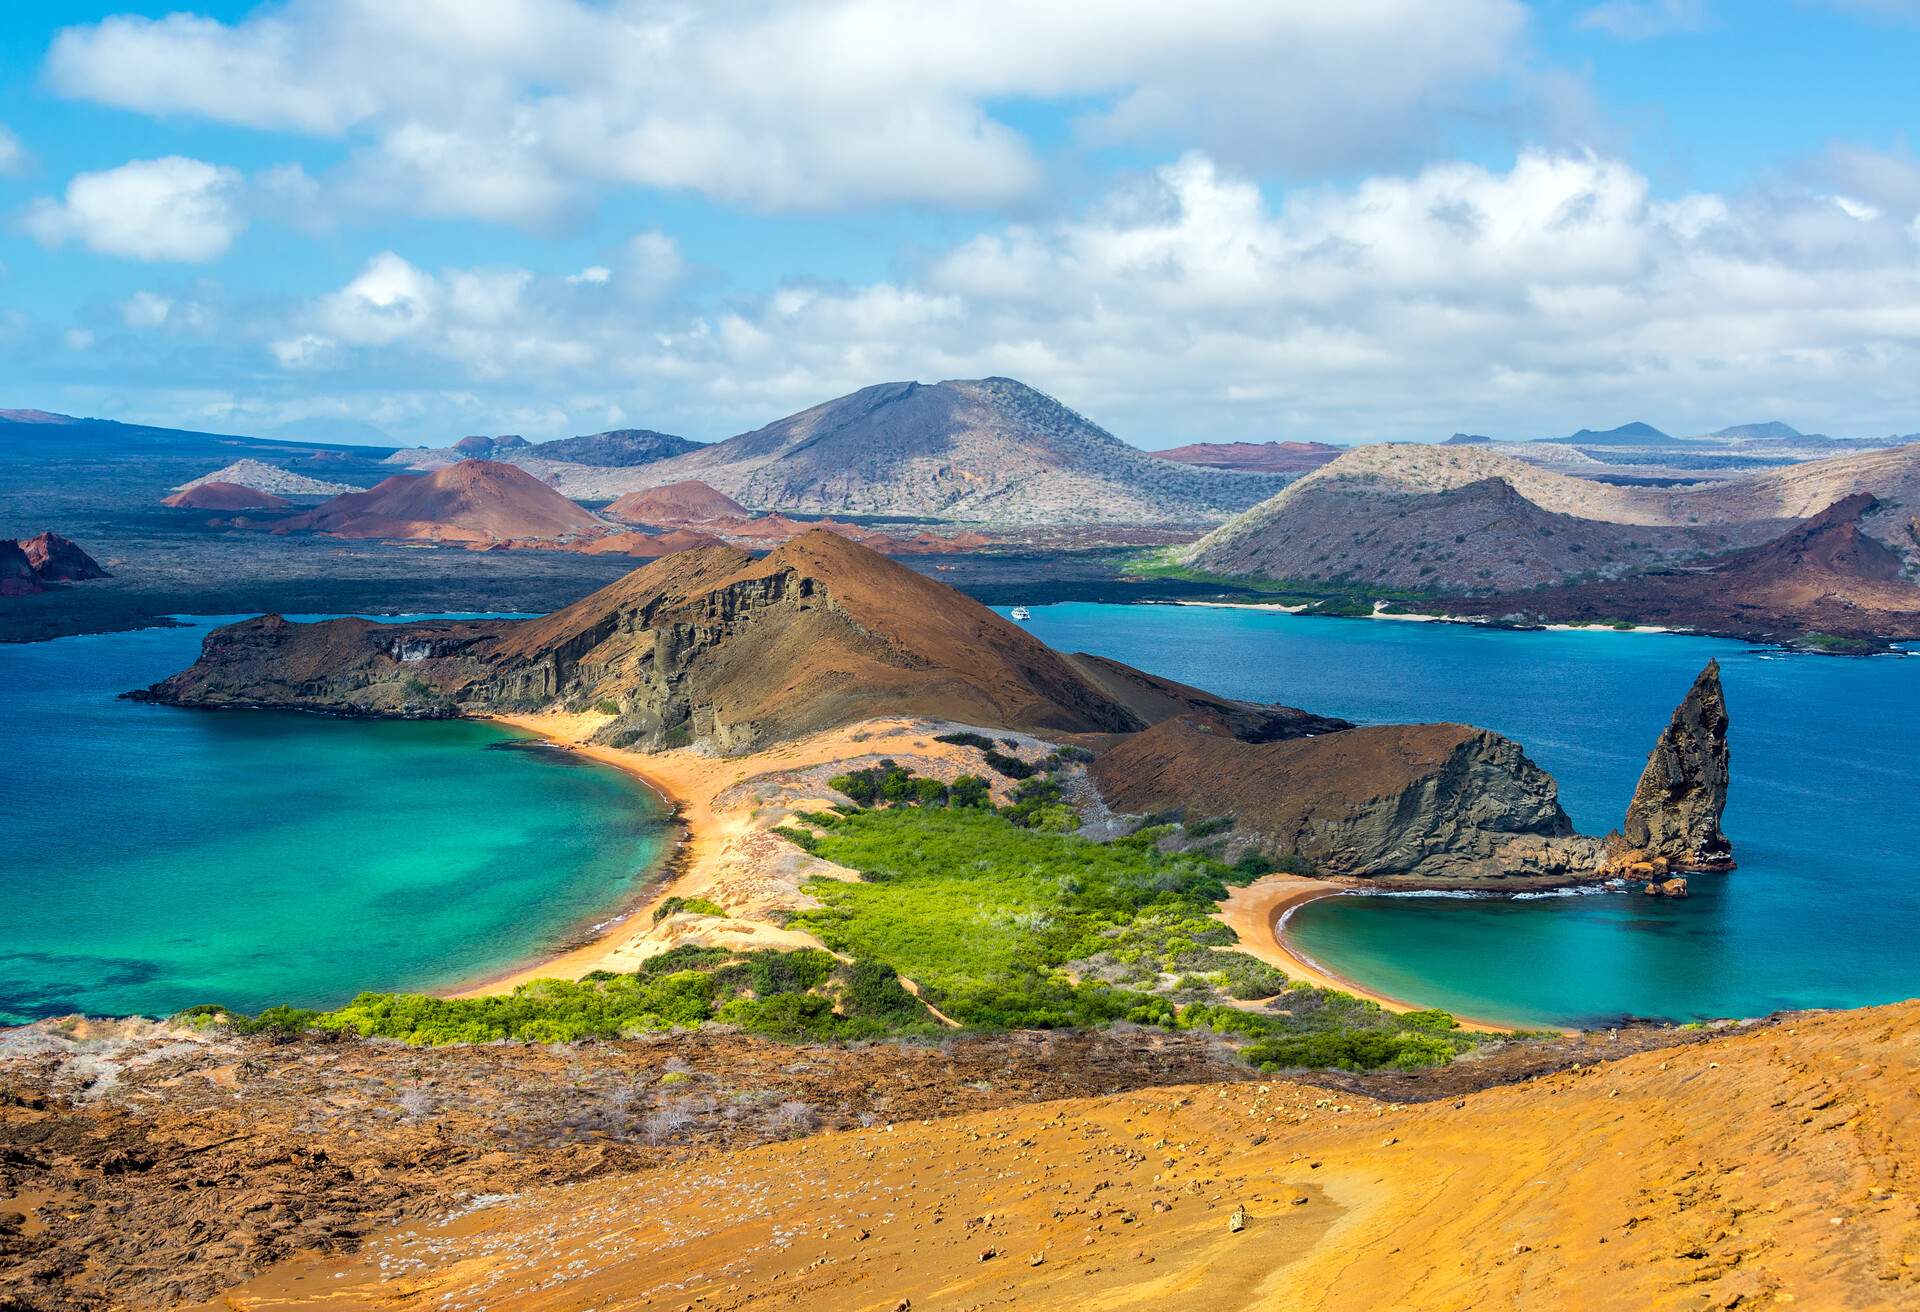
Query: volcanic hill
x=262, y=477
x=1824, y=576
x=988, y=450
x=224, y=496
x=475, y=501
x=1469, y=520
x=709, y=646
x=676, y=505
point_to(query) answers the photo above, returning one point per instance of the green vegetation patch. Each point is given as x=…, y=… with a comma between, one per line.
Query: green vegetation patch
x=1010, y=927
x=806, y=996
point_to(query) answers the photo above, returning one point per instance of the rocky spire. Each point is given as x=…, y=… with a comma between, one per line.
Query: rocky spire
x=1674, y=819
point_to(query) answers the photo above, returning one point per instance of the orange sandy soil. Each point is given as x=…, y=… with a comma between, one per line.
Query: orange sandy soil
x=1775, y=1166
x=728, y=857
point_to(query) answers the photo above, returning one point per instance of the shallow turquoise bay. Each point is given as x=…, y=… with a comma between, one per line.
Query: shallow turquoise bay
x=151, y=858
x=1824, y=910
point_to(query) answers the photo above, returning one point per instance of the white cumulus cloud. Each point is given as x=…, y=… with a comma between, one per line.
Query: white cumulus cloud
x=519, y=110
x=156, y=209
x=1192, y=303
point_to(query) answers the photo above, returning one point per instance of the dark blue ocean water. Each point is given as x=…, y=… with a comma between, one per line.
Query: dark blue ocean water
x=151, y=858
x=1824, y=909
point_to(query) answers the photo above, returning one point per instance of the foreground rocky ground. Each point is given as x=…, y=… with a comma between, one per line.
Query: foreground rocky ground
x=146, y=1166
x=1771, y=1165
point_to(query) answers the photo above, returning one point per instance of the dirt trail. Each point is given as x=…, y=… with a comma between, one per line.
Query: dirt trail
x=1774, y=1165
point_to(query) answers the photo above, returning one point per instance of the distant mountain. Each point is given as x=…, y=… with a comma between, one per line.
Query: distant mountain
x=1825, y=575
x=989, y=450
x=475, y=501
x=1772, y=428
x=263, y=477
x=619, y=448
x=1468, y=439
x=1633, y=434
x=1264, y=457
x=110, y=434
x=479, y=447
x=1479, y=536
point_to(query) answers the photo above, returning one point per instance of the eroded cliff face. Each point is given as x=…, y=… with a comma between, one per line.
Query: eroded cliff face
x=1674, y=818
x=1433, y=802
x=337, y=667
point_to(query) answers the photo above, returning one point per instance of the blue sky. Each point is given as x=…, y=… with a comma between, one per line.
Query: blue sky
x=1223, y=220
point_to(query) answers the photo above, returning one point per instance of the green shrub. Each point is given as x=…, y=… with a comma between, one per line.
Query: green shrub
x=1208, y=828
x=1037, y=804
x=673, y=906
x=969, y=790
x=800, y=838
x=978, y=740
x=1010, y=766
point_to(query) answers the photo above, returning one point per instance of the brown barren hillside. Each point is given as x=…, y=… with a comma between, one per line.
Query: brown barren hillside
x=224, y=496
x=673, y=505
x=820, y=632
x=1760, y=1169
x=710, y=648
x=472, y=501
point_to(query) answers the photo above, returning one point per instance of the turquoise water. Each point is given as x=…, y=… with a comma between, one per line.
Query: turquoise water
x=151, y=858
x=1824, y=909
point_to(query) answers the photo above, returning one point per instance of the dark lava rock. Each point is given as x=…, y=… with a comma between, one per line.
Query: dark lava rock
x=1674, y=817
x=55, y=558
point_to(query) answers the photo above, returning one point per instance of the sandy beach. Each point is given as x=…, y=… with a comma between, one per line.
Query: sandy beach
x=1255, y=912
x=725, y=853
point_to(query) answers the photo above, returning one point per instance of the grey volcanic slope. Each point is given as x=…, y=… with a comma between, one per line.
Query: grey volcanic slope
x=1477, y=537
x=989, y=450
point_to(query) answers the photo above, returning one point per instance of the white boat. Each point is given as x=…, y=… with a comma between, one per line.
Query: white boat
x=1022, y=613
